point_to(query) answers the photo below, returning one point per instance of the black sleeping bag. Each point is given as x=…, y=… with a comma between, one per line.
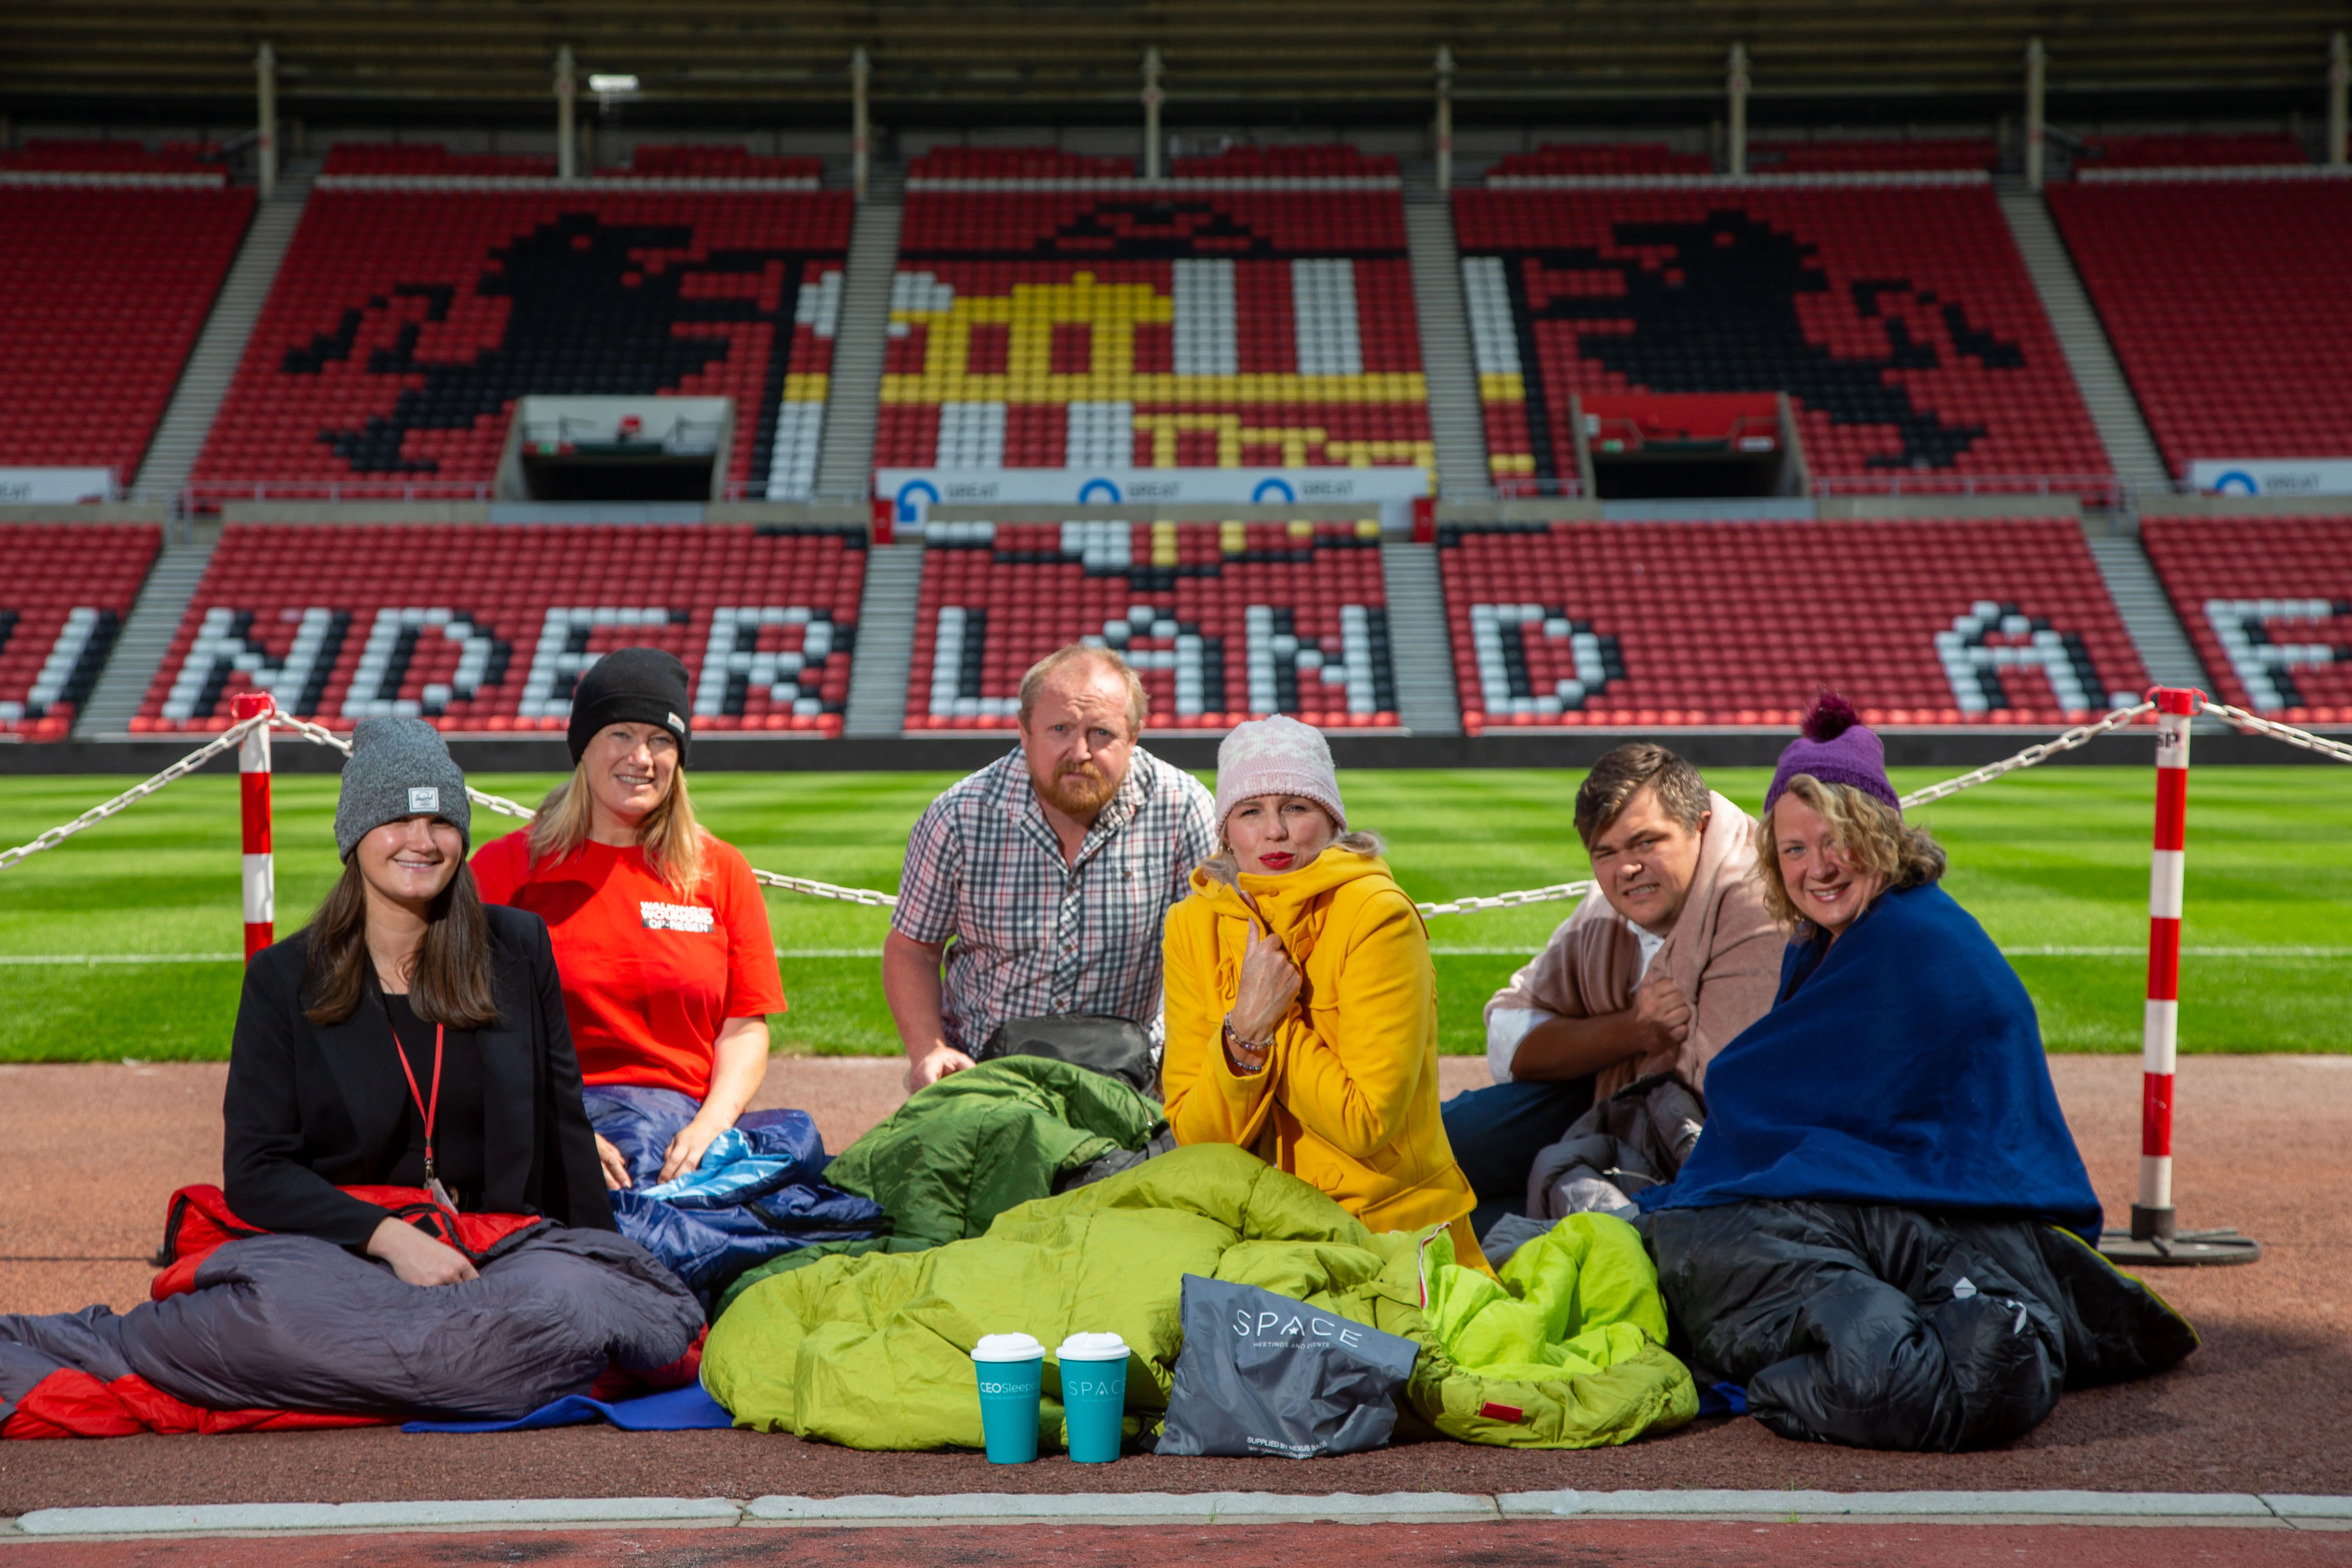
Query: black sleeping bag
x=1887, y=1328
x=1881, y=1230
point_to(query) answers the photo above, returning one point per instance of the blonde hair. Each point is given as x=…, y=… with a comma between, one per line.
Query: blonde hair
x=1870, y=833
x=1033, y=684
x=671, y=838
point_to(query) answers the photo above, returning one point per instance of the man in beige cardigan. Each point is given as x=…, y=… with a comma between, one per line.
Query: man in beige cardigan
x=1657, y=974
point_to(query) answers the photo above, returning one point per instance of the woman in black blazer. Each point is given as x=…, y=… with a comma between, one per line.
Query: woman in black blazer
x=410, y=1035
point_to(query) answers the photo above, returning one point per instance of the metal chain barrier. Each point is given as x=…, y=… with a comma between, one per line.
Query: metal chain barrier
x=226, y=741
x=2081, y=735
x=319, y=734
x=504, y=807
x=2254, y=724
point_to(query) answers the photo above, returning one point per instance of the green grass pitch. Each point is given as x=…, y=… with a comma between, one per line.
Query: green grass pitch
x=2055, y=862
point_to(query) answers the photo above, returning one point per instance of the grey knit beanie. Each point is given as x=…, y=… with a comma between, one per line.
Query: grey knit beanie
x=399, y=767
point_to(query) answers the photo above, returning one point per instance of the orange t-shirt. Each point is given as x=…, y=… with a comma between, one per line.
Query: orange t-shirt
x=649, y=977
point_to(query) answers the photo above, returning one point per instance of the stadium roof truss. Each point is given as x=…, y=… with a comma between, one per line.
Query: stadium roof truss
x=933, y=57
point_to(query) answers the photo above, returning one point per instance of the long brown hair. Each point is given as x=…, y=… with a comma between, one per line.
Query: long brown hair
x=451, y=982
x=669, y=835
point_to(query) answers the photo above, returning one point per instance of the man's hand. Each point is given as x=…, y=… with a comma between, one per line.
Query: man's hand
x=616, y=1169
x=1268, y=986
x=685, y=1151
x=415, y=1257
x=1662, y=1017
x=934, y=1065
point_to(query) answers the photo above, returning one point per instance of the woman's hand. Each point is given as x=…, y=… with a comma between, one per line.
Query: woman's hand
x=1269, y=985
x=415, y=1257
x=616, y=1169
x=685, y=1151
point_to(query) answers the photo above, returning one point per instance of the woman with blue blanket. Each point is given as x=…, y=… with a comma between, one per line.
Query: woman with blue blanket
x=1885, y=1232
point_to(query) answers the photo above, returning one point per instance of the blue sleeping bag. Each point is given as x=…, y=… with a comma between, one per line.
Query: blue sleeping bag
x=758, y=1193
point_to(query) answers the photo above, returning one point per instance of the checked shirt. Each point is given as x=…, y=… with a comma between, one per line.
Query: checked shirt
x=1038, y=937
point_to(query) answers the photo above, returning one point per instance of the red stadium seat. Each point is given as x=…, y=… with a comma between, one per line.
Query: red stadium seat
x=481, y=628
x=1741, y=623
x=67, y=591
x=406, y=323
x=1224, y=621
x=1053, y=321
x=2268, y=604
x=2224, y=301
x=103, y=291
x=1899, y=319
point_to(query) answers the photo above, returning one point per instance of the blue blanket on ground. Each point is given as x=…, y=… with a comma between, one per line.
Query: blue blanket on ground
x=756, y=1195
x=1903, y=1066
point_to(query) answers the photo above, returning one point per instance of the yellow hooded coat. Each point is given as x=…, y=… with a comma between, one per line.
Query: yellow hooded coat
x=1347, y=1099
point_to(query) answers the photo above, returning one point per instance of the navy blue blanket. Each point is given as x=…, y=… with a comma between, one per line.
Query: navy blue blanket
x=757, y=1194
x=1903, y=1066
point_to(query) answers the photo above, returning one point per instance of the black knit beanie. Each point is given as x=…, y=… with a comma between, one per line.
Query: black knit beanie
x=631, y=685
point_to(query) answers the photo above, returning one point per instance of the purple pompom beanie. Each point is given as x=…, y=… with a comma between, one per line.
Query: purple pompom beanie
x=1276, y=756
x=1836, y=747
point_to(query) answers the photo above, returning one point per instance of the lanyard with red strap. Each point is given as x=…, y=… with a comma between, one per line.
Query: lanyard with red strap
x=424, y=1108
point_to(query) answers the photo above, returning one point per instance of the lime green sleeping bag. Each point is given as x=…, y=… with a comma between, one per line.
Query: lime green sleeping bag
x=873, y=1352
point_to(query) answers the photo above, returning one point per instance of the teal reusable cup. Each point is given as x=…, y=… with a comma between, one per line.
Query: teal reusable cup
x=1094, y=1394
x=1011, y=1369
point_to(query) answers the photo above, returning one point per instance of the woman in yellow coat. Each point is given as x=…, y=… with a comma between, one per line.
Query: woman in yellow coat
x=1302, y=1005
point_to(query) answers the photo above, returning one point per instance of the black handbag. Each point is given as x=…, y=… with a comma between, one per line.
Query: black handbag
x=1116, y=1048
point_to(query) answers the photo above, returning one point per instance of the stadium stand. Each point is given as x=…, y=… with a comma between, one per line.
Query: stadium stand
x=93, y=157
x=1224, y=621
x=1898, y=319
x=1599, y=158
x=2224, y=300
x=404, y=324
x=481, y=628
x=2190, y=151
x=103, y=290
x=67, y=589
x=1741, y=623
x=430, y=159
x=2268, y=604
x=1015, y=164
x=1866, y=154
x=1083, y=322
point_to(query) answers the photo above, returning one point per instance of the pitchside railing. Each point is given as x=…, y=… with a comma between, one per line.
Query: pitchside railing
x=2153, y=1236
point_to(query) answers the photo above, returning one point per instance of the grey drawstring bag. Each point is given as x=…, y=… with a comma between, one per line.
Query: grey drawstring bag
x=1264, y=1374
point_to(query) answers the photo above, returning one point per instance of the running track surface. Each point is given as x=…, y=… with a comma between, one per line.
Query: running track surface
x=2262, y=1142
x=1592, y=1543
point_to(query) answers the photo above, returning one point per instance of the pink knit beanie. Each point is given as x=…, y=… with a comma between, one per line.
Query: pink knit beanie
x=1276, y=756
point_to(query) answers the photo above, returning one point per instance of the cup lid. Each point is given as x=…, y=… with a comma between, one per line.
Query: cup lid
x=1007, y=1347
x=1093, y=1347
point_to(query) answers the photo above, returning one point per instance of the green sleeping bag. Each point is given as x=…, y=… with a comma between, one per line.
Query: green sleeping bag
x=873, y=1352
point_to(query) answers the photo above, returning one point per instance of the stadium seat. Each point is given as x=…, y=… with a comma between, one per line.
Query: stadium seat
x=1741, y=623
x=1044, y=321
x=93, y=156
x=2268, y=604
x=63, y=599
x=406, y=323
x=2224, y=301
x=1599, y=158
x=1898, y=319
x=1224, y=621
x=2197, y=150
x=1891, y=154
x=483, y=629
x=103, y=290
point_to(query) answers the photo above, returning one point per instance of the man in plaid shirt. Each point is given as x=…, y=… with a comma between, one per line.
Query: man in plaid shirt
x=1052, y=867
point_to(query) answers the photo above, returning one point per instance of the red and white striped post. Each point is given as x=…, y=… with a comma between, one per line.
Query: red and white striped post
x=253, y=790
x=2152, y=1216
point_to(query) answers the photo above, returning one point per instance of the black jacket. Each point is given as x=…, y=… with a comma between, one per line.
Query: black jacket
x=309, y=1109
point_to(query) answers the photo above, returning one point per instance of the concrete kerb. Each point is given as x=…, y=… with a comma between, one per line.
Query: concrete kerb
x=2237, y=1509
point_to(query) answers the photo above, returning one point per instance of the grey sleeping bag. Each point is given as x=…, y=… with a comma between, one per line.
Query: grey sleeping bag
x=292, y=1323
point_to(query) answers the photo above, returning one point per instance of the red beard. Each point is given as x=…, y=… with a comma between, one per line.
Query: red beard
x=1081, y=792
